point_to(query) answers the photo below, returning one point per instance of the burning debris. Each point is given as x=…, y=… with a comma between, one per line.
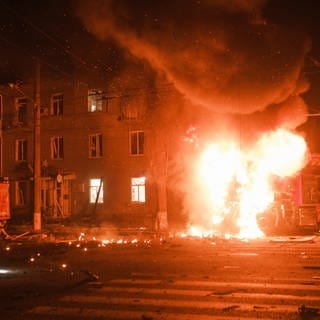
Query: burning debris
x=41, y=258
x=236, y=184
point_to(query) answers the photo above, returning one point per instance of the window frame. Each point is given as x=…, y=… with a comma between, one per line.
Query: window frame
x=21, y=150
x=137, y=142
x=20, y=193
x=57, y=104
x=57, y=148
x=98, y=137
x=95, y=101
x=138, y=190
x=21, y=103
x=129, y=111
x=94, y=185
x=1, y=107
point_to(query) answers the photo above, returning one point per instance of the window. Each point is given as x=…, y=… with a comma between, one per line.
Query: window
x=136, y=142
x=96, y=191
x=21, y=107
x=138, y=189
x=57, y=104
x=21, y=150
x=1, y=108
x=20, y=193
x=57, y=148
x=129, y=110
x=95, y=145
x=95, y=101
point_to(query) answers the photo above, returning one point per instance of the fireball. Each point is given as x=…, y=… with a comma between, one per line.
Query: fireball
x=236, y=184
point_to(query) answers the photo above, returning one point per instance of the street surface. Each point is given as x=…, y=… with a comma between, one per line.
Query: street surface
x=149, y=279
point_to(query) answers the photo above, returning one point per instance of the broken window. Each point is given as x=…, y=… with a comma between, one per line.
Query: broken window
x=57, y=104
x=96, y=191
x=95, y=99
x=138, y=189
x=136, y=142
x=57, y=148
x=95, y=145
x=20, y=193
x=21, y=150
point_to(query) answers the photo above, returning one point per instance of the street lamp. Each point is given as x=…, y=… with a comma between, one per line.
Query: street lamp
x=36, y=149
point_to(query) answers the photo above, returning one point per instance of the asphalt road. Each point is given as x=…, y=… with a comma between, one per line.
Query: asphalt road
x=149, y=279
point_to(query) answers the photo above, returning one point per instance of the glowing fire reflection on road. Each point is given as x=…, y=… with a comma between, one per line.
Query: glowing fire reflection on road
x=235, y=184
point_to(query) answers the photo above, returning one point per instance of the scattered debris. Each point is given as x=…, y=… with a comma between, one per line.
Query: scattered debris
x=144, y=317
x=19, y=236
x=308, y=313
x=312, y=267
x=308, y=283
x=220, y=293
x=4, y=233
x=230, y=308
x=293, y=239
x=244, y=254
x=91, y=276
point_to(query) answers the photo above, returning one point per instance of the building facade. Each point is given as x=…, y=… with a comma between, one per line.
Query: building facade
x=97, y=154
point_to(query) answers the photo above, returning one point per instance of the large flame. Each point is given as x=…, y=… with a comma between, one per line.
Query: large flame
x=236, y=184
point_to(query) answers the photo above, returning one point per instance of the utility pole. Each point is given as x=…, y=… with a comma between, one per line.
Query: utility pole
x=37, y=153
x=1, y=137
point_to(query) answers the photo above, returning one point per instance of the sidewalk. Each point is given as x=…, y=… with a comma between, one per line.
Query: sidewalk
x=66, y=231
x=59, y=232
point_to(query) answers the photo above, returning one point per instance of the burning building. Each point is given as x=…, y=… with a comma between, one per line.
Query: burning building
x=209, y=132
x=241, y=79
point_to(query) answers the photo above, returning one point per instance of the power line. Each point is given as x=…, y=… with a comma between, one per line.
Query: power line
x=66, y=50
x=45, y=34
x=110, y=94
x=34, y=57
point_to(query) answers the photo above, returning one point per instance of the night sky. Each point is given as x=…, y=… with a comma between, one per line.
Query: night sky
x=221, y=50
x=50, y=30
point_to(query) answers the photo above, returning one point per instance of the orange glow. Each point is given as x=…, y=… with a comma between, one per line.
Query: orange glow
x=235, y=184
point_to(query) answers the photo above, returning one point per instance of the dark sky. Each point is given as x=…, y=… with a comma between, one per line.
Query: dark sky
x=52, y=31
x=302, y=15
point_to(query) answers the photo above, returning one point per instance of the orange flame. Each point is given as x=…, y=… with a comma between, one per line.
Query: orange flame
x=236, y=184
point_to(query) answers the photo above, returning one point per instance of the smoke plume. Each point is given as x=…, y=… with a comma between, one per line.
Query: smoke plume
x=222, y=55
